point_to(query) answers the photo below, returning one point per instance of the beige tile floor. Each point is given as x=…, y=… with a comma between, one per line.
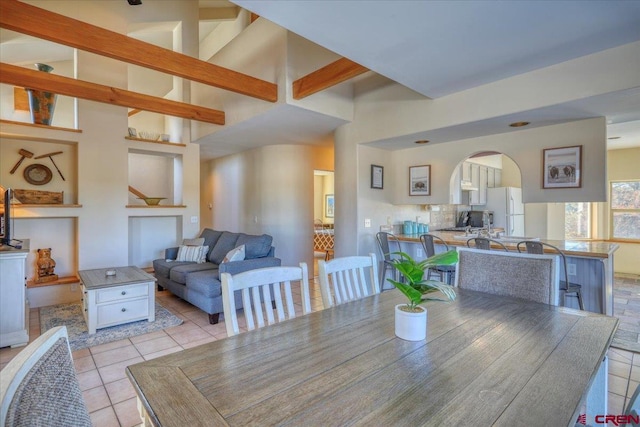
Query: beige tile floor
x=111, y=398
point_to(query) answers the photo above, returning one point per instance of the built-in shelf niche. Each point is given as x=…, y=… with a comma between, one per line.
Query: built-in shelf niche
x=63, y=165
x=149, y=236
x=155, y=174
x=59, y=234
x=155, y=141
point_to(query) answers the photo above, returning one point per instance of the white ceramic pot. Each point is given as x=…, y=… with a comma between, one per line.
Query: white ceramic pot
x=411, y=326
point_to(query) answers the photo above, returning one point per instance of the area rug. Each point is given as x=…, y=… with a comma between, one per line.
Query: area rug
x=70, y=315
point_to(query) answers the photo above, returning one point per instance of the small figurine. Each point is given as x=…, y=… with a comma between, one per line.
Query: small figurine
x=45, y=266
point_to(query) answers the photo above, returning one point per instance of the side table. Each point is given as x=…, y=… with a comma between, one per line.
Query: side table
x=127, y=296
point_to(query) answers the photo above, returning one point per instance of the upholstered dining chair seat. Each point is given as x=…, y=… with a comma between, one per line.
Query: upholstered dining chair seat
x=39, y=387
x=531, y=277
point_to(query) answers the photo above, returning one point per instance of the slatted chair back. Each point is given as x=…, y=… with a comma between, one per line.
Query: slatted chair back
x=485, y=244
x=263, y=291
x=531, y=277
x=348, y=278
x=39, y=387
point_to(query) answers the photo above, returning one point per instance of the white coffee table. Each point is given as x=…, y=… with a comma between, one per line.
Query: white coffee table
x=127, y=296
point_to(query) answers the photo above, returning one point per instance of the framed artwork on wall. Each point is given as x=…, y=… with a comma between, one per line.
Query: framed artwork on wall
x=420, y=180
x=562, y=167
x=377, y=177
x=329, y=205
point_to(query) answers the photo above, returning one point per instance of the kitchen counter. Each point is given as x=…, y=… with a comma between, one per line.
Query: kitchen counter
x=582, y=248
x=590, y=263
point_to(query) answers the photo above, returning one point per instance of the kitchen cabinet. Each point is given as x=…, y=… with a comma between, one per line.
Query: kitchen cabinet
x=482, y=186
x=465, y=169
x=498, y=177
x=491, y=177
x=474, y=195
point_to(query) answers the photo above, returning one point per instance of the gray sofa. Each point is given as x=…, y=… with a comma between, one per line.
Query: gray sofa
x=200, y=284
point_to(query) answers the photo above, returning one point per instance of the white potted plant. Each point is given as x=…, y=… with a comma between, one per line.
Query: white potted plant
x=411, y=318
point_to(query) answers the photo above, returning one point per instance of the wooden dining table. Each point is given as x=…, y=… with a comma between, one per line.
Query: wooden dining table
x=487, y=360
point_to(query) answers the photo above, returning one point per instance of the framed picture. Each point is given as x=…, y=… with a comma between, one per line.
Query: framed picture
x=562, y=167
x=377, y=177
x=133, y=133
x=420, y=180
x=328, y=206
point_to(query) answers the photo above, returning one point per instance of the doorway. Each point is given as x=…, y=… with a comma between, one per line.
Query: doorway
x=323, y=216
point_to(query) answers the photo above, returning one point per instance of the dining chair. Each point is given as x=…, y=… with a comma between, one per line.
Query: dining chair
x=569, y=288
x=343, y=279
x=39, y=387
x=262, y=291
x=485, y=243
x=389, y=245
x=443, y=271
x=632, y=411
x=531, y=277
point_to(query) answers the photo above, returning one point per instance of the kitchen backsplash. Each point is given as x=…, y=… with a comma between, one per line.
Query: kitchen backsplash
x=437, y=216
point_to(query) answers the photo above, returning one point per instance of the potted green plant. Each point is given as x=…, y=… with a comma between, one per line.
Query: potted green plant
x=411, y=318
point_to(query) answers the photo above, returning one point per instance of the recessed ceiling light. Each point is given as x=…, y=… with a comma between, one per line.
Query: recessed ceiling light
x=614, y=137
x=422, y=141
x=518, y=124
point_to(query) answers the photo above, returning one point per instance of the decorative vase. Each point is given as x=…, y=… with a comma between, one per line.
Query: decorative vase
x=41, y=103
x=411, y=326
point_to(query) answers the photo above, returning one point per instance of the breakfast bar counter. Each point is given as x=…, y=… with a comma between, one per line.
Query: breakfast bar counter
x=590, y=263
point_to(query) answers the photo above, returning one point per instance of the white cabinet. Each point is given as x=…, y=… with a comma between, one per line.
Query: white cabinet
x=474, y=195
x=14, y=313
x=491, y=177
x=498, y=178
x=482, y=186
x=465, y=171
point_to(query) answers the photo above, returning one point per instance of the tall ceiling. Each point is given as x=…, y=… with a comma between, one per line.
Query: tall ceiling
x=437, y=48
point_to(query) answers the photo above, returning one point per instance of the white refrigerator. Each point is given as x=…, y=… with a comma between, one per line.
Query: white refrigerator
x=508, y=209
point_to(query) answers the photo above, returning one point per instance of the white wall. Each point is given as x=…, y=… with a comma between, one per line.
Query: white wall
x=268, y=190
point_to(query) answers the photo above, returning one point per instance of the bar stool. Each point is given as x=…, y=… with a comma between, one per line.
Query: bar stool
x=448, y=271
x=573, y=289
x=484, y=243
x=388, y=244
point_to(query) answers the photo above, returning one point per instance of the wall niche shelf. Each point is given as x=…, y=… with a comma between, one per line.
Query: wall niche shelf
x=156, y=206
x=155, y=141
x=11, y=122
x=61, y=281
x=31, y=205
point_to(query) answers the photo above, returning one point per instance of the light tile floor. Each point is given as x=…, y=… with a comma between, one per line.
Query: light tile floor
x=111, y=398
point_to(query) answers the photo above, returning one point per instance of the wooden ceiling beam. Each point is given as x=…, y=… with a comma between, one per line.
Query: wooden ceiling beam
x=34, y=79
x=41, y=23
x=330, y=75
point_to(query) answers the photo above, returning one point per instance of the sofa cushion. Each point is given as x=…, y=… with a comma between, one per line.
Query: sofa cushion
x=193, y=242
x=179, y=273
x=206, y=283
x=255, y=246
x=210, y=239
x=225, y=243
x=162, y=267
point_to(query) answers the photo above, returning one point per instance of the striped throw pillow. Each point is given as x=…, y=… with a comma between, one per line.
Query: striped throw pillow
x=192, y=253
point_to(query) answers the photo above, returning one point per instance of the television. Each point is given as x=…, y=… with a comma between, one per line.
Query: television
x=5, y=221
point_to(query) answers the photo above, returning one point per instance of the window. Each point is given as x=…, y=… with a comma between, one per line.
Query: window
x=577, y=218
x=625, y=210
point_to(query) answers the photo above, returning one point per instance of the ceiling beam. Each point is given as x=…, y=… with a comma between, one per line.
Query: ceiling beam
x=20, y=76
x=37, y=22
x=337, y=72
x=218, y=13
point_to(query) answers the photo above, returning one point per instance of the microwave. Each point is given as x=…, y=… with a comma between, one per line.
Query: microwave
x=472, y=219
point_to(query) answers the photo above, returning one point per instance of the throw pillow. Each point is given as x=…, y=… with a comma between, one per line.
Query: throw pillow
x=193, y=242
x=236, y=254
x=192, y=253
